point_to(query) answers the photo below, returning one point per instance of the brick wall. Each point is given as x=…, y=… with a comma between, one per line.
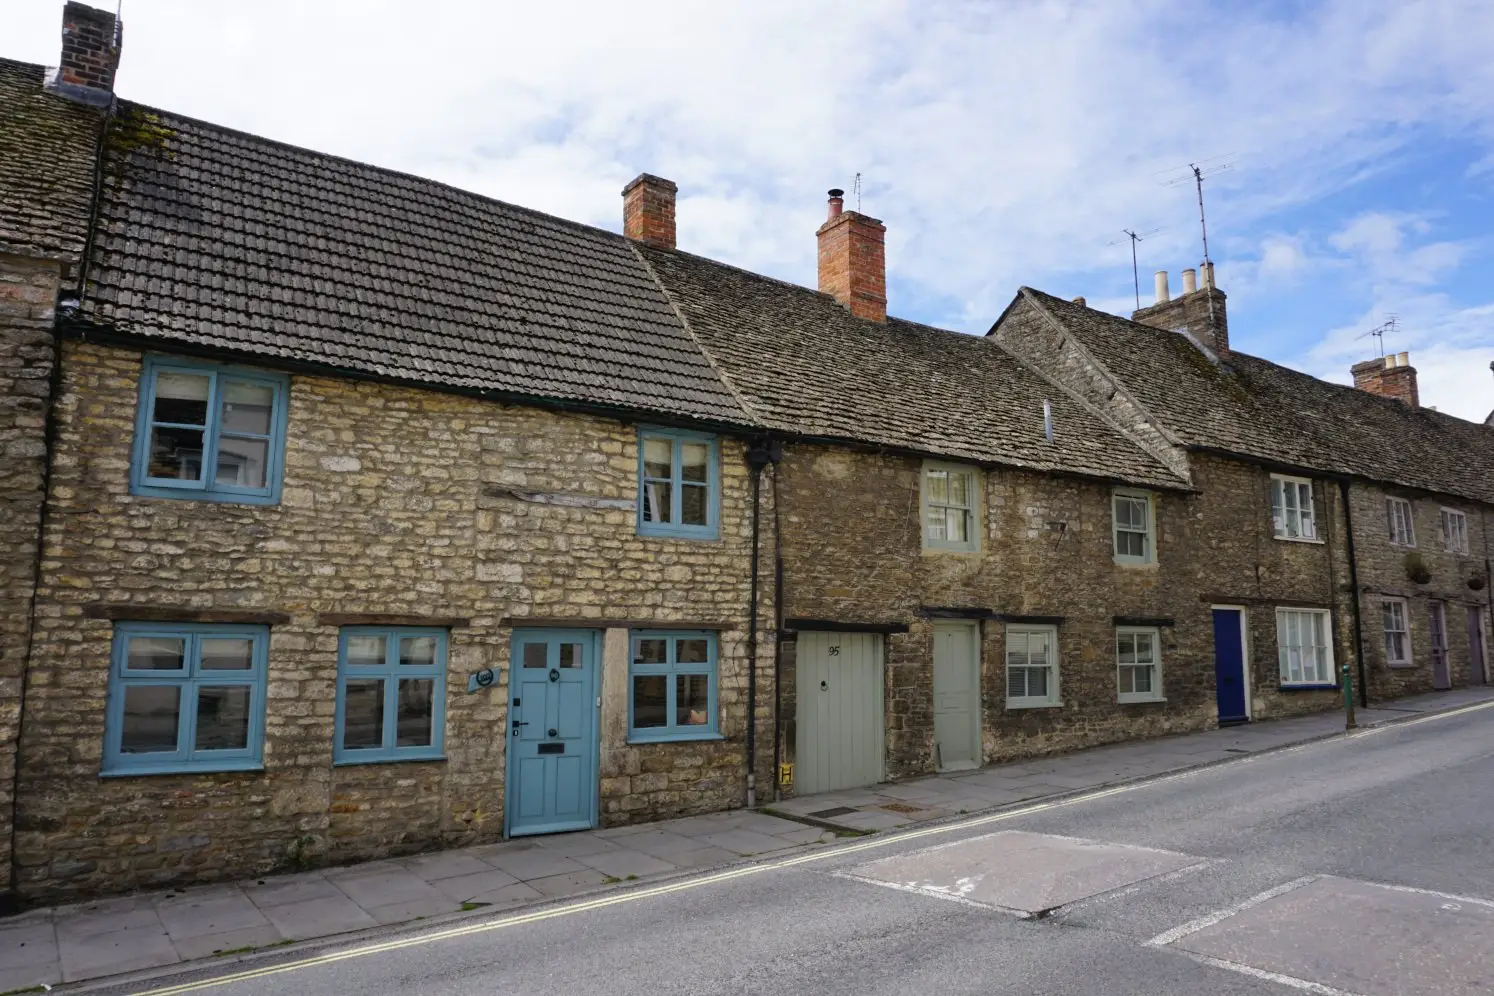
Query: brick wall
x=853, y=553
x=28, y=291
x=383, y=510
x=1383, y=574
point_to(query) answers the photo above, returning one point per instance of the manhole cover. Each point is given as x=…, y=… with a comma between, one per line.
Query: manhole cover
x=826, y=814
x=901, y=807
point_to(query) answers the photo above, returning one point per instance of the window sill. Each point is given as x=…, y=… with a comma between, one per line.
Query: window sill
x=177, y=769
x=1010, y=705
x=192, y=494
x=958, y=551
x=353, y=762
x=1140, y=700
x=1307, y=688
x=1302, y=539
x=708, y=536
x=1120, y=562
x=1402, y=665
x=672, y=738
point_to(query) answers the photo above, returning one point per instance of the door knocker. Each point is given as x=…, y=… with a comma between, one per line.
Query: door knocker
x=824, y=686
x=554, y=675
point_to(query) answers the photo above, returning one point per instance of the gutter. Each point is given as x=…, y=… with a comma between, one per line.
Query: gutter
x=1343, y=490
x=761, y=453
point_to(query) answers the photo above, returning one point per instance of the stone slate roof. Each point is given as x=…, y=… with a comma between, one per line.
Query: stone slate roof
x=1259, y=409
x=214, y=238
x=46, y=166
x=804, y=364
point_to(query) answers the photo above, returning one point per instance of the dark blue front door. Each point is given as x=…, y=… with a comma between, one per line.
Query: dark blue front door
x=552, y=741
x=1229, y=665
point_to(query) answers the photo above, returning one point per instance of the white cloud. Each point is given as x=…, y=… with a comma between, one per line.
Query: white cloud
x=1003, y=143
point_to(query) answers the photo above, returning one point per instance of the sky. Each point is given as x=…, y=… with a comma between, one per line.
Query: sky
x=1002, y=142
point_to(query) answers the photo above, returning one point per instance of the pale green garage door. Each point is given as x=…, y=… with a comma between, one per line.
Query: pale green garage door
x=838, y=719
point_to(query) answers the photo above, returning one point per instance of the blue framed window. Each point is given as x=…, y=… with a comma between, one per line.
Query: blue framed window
x=679, y=484
x=672, y=686
x=391, y=694
x=185, y=697
x=210, y=432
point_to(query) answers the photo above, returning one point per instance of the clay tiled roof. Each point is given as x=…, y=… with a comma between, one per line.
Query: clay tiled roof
x=1256, y=408
x=46, y=166
x=804, y=364
x=219, y=239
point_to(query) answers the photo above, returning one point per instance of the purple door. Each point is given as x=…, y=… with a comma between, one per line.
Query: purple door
x=1477, y=667
x=1440, y=678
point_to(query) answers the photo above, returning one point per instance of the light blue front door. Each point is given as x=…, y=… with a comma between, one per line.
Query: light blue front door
x=552, y=732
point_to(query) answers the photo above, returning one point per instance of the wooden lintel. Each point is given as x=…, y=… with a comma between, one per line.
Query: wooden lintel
x=169, y=613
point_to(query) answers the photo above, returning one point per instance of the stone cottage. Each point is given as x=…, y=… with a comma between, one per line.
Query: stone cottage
x=350, y=514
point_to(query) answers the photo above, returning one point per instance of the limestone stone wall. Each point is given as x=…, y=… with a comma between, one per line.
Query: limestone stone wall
x=28, y=293
x=853, y=553
x=1384, y=574
x=396, y=502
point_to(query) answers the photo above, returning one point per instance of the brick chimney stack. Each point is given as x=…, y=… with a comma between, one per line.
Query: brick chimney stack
x=1390, y=376
x=853, y=260
x=1198, y=311
x=648, y=210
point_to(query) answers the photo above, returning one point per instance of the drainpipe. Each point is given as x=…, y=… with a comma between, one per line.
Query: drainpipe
x=759, y=454
x=777, y=640
x=1343, y=489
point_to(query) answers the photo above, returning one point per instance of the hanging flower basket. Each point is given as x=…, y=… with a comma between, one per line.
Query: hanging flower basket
x=1416, y=569
x=1476, y=582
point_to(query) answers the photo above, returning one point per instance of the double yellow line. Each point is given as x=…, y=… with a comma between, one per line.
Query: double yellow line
x=634, y=895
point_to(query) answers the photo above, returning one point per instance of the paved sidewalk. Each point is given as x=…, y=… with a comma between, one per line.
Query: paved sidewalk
x=114, y=936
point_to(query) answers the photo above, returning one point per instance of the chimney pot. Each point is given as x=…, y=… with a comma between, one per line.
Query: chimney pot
x=1080, y=301
x=1389, y=377
x=1190, y=281
x=1161, y=281
x=1403, y=359
x=853, y=260
x=648, y=210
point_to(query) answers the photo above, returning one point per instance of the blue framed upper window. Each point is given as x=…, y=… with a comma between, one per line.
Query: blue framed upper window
x=185, y=697
x=679, y=484
x=391, y=694
x=672, y=686
x=211, y=432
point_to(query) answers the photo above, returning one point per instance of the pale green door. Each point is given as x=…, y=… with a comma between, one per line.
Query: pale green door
x=838, y=715
x=956, y=696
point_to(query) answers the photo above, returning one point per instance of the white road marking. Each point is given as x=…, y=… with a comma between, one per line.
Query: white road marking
x=1265, y=976
x=932, y=892
x=1384, y=727
x=1194, y=926
x=1430, y=892
x=1100, y=898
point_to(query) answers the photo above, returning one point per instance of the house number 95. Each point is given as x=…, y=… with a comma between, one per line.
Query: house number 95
x=834, y=651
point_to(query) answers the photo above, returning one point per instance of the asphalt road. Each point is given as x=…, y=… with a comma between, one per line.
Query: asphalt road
x=1266, y=875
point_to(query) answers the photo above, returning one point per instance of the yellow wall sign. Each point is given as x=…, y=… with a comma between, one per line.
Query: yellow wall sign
x=785, y=774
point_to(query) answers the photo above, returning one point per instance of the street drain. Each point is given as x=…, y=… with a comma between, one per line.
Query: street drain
x=826, y=814
x=1236, y=750
x=901, y=807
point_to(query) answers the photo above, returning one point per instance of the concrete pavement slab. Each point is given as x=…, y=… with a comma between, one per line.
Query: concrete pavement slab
x=290, y=889
x=625, y=864
x=508, y=895
x=704, y=857
x=22, y=947
x=83, y=925
x=1360, y=937
x=216, y=915
x=386, y=887
x=445, y=864
x=128, y=949
x=206, y=945
x=532, y=864
x=661, y=843
x=745, y=842
x=319, y=917
x=462, y=888
x=575, y=844
x=412, y=909
x=569, y=883
x=1026, y=872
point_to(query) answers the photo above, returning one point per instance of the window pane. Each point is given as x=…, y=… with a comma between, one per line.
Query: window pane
x=694, y=462
x=694, y=504
x=414, y=712
x=650, y=709
x=227, y=653
x=1143, y=679
x=959, y=490
x=938, y=487
x=1016, y=649
x=151, y=714
x=570, y=655
x=222, y=718
x=658, y=458
x=696, y=651
x=1144, y=648
x=1127, y=682
x=652, y=651
x=1125, y=648
x=1037, y=682
x=536, y=655
x=657, y=496
x=366, y=651
x=1016, y=683
x=1132, y=544
x=417, y=651
x=246, y=407
x=957, y=530
x=692, y=699
x=181, y=398
x=242, y=462
x=156, y=653
x=937, y=524
x=363, y=715
x=175, y=454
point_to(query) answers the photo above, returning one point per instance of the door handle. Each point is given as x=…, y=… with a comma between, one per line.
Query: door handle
x=518, y=724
